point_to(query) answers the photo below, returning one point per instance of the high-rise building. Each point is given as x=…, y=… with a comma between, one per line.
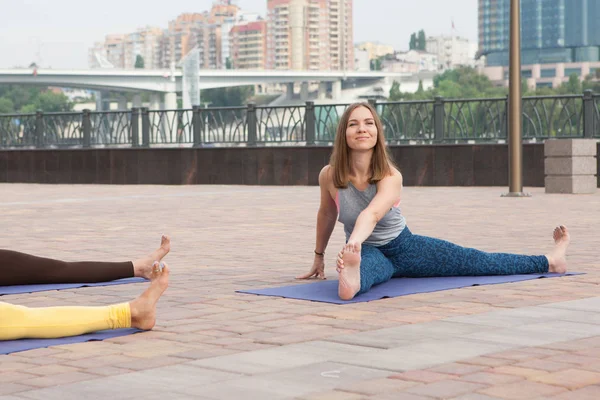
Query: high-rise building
x=145, y=42
x=248, y=46
x=179, y=38
x=114, y=46
x=552, y=31
x=228, y=24
x=310, y=35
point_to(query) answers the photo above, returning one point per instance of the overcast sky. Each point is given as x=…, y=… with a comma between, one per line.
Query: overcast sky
x=58, y=33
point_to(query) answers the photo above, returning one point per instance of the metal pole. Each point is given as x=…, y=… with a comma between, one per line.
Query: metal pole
x=515, y=140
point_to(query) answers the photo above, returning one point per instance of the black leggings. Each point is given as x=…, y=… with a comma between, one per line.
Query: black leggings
x=24, y=269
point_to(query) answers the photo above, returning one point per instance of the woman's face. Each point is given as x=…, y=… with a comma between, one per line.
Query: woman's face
x=361, y=132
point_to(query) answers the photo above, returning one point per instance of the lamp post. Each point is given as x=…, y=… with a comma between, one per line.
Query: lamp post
x=515, y=140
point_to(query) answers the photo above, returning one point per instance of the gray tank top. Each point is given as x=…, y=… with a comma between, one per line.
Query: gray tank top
x=353, y=201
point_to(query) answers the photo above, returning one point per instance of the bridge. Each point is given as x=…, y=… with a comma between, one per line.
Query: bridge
x=169, y=82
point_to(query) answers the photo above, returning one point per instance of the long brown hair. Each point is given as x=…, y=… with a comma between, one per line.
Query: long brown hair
x=381, y=162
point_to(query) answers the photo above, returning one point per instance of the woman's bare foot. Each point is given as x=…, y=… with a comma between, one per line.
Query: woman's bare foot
x=143, y=309
x=143, y=266
x=349, y=276
x=557, y=259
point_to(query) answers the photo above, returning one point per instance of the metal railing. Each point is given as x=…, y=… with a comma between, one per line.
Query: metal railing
x=407, y=122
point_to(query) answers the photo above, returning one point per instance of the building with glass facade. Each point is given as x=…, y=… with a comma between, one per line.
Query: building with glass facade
x=552, y=31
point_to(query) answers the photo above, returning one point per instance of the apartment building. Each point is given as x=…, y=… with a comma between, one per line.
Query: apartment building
x=309, y=35
x=145, y=42
x=248, y=45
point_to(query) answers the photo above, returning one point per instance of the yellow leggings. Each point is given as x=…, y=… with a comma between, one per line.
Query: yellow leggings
x=19, y=322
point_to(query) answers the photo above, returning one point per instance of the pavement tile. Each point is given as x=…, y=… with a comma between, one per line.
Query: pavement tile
x=422, y=376
x=488, y=361
x=519, y=371
x=293, y=382
x=46, y=370
x=332, y=395
x=522, y=390
x=490, y=378
x=586, y=393
x=15, y=377
x=542, y=364
x=475, y=396
x=10, y=388
x=458, y=368
x=379, y=386
x=445, y=389
x=60, y=379
x=570, y=378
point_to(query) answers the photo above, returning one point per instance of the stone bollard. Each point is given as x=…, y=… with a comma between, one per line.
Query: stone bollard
x=570, y=166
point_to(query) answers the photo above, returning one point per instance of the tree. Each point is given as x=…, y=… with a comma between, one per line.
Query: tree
x=6, y=106
x=420, y=88
x=395, y=93
x=573, y=86
x=413, y=41
x=53, y=102
x=31, y=98
x=228, y=97
x=592, y=83
x=376, y=64
x=228, y=64
x=421, y=40
x=139, y=62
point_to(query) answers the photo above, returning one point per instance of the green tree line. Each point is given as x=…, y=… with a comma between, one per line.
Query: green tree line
x=29, y=99
x=466, y=82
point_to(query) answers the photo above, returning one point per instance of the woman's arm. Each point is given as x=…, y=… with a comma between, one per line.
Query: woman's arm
x=327, y=214
x=389, y=190
x=326, y=218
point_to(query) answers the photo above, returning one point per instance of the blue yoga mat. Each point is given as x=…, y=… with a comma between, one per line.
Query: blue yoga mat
x=13, y=346
x=17, y=289
x=326, y=291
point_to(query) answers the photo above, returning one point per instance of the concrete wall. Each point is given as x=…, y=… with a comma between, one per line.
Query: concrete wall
x=438, y=165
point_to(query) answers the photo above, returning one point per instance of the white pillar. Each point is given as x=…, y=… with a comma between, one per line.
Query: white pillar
x=290, y=91
x=102, y=101
x=122, y=104
x=137, y=101
x=304, y=91
x=154, y=101
x=336, y=90
x=98, y=101
x=322, y=93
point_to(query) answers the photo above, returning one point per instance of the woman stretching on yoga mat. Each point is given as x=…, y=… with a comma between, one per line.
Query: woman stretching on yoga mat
x=363, y=187
x=24, y=269
x=18, y=322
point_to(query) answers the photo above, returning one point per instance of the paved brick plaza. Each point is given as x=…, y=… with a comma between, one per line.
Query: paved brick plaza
x=528, y=340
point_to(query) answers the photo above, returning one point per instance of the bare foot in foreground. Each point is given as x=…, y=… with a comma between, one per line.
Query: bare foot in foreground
x=143, y=309
x=558, y=257
x=349, y=276
x=143, y=266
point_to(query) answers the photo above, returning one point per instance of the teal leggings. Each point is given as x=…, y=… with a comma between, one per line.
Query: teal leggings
x=415, y=256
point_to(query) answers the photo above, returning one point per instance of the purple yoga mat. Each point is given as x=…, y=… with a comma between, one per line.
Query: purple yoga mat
x=17, y=289
x=13, y=346
x=326, y=291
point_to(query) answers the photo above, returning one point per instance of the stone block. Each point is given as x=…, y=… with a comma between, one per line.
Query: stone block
x=575, y=184
x=570, y=147
x=585, y=165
